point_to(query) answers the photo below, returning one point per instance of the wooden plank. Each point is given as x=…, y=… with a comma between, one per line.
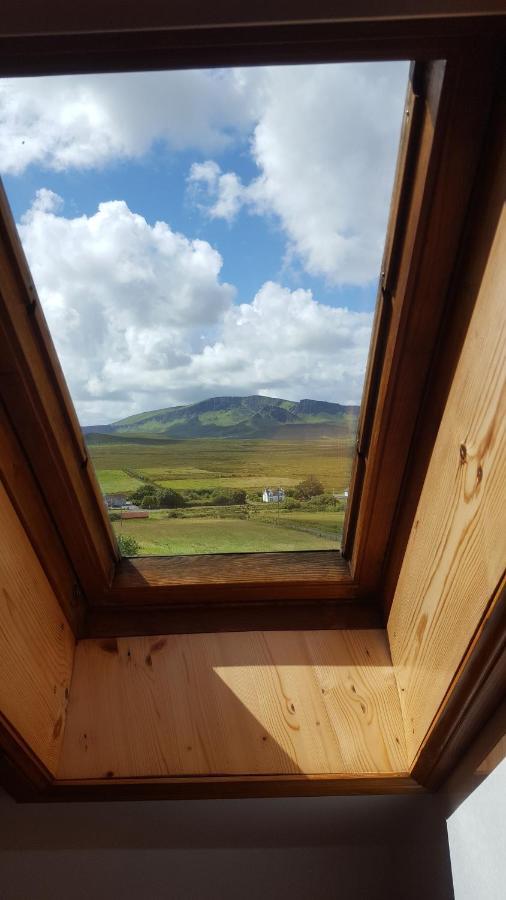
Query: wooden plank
x=36, y=645
x=121, y=16
x=407, y=170
x=458, y=97
x=486, y=750
x=255, y=703
x=35, y=395
x=224, y=36
x=25, y=495
x=21, y=772
x=457, y=548
x=494, y=758
x=241, y=615
x=305, y=575
x=477, y=238
x=221, y=787
x=476, y=690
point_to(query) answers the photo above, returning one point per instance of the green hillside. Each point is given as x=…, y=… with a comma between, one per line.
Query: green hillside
x=236, y=417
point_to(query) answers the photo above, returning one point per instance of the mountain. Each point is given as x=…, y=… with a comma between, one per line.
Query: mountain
x=236, y=417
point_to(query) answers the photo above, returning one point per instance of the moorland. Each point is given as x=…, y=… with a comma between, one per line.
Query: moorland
x=201, y=470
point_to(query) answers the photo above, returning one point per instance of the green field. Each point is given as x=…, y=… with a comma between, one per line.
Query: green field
x=204, y=462
x=123, y=463
x=117, y=481
x=158, y=537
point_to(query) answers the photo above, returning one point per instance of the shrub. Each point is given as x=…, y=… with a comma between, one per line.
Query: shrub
x=290, y=503
x=144, y=490
x=238, y=498
x=163, y=498
x=128, y=546
x=149, y=501
x=170, y=499
x=114, y=516
x=321, y=501
x=310, y=487
x=197, y=496
x=228, y=498
x=220, y=498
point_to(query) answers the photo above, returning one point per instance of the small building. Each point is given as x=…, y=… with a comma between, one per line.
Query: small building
x=134, y=513
x=115, y=501
x=342, y=496
x=270, y=496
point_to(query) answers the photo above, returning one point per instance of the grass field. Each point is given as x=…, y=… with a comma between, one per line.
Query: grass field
x=116, y=481
x=164, y=537
x=124, y=464
x=221, y=462
x=324, y=522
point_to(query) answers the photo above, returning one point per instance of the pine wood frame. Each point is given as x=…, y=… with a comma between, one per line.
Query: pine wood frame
x=446, y=112
x=44, y=463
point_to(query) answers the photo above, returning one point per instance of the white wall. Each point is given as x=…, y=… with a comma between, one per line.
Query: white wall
x=348, y=848
x=477, y=838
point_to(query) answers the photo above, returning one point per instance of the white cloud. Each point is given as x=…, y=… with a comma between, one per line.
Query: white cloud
x=324, y=139
x=226, y=189
x=87, y=121
x=284, y=343
x=325, y=145
x=141, y=320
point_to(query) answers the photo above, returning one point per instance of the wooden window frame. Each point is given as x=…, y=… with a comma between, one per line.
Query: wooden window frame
x=44, y=460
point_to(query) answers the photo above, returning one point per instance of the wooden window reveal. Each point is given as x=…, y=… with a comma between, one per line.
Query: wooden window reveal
x=446, y=114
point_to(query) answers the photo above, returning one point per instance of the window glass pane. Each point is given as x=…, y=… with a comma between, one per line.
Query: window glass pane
x=206, y=247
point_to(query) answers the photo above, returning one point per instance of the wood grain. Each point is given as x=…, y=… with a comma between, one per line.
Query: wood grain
x=241, y=615
x=225, y=577
x=38, y=403
x=487, y=748
x=254, y=703
x=133, y=18
x=191, y=35
x=28, y=501
x=456, y=102
x=205, y=787
x=494, y=758
x=457, y=548
x=36, y=644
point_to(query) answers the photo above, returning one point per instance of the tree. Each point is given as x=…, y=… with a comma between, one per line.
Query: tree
x=150, y=501
x=228, y=498
x=144, y=490
x=238, y=498
x=170, y=499
x=161, y=498
x=291, y=503
x=310, y=487
x=128, y=546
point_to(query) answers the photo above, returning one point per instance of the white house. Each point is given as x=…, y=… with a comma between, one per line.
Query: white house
x=270, y=496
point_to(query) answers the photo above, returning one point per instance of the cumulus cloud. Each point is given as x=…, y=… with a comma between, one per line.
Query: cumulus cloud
x=325, y=145
x=226, y=190
x=324, y=139
x=284, y=343
x=141, y=319
x=126, y=302
x=87, y=121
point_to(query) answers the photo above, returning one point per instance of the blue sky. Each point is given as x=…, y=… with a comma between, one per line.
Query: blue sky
x=156, y=188
x=272, y=187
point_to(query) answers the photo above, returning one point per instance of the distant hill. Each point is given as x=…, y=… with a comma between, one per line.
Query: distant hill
x=235, y=417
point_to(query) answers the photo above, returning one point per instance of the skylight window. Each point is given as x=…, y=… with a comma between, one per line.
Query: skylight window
x=206, y=247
